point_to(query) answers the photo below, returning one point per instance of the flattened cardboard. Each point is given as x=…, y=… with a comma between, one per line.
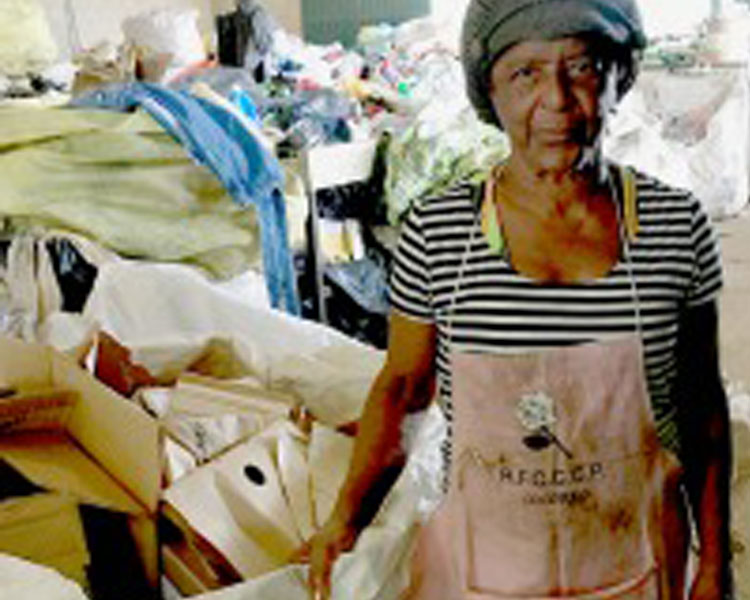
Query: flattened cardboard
x=198, y=395
x=214, y=501
x=257, y=504
x=119, y=435
x=330, y=453
x=294, y=470
x=108, y=430
x=54, y=462
x=247, y=386
x=181, y=574
x=255, y=528
x=110, y=454
x=195, y=553
x=38, y=410
x=72, y=566
x=207, y=437
x=46, y=529
x=197, y=500
x=41, y=526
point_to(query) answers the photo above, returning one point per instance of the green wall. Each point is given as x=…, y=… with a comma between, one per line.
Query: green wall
x=327, y=21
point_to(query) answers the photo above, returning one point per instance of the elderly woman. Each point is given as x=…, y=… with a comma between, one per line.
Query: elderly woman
x=565, y=310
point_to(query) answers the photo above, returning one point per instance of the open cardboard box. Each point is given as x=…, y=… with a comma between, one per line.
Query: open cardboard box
x=244, y=514
x=108, y=456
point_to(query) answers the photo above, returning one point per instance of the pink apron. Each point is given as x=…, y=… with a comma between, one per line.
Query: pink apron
x=559, y=484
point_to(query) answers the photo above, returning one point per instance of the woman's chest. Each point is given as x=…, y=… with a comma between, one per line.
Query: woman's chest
x=485, y=298
x=559, y=251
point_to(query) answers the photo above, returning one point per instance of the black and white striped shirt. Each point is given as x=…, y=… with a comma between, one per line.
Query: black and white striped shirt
x=674, y=261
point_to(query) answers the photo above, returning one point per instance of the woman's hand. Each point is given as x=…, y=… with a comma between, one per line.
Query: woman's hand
x=404, y=385
x=321, y=552
x=711, y=582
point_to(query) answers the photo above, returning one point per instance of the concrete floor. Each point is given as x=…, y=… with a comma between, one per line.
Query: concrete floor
x=734, y=238
x=734, y=332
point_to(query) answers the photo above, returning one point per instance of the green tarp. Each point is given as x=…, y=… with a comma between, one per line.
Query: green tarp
x=122, y=181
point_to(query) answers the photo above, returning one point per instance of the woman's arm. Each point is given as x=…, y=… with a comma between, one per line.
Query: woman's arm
x=706, y=447
x=406, y=384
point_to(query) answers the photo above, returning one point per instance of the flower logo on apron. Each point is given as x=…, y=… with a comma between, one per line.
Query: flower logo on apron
x=536, y=412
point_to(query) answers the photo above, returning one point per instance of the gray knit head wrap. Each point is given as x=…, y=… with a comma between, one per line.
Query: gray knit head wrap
x=492, y=26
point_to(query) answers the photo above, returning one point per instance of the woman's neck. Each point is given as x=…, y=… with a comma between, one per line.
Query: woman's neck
x=549, y=192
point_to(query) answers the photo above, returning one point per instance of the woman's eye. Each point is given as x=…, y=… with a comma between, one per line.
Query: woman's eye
x=582, y=67
x=522, y=73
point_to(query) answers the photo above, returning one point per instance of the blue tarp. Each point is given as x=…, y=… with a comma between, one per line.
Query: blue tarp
x=218, y=139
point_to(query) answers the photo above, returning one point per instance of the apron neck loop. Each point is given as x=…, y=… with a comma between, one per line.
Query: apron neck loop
x=625, y=196
x=626, y=202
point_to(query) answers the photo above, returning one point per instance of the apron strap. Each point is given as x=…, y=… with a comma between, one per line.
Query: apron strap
x=630, y=228
x=630, y=203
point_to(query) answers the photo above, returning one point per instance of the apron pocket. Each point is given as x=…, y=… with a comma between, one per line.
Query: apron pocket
x=546, y=526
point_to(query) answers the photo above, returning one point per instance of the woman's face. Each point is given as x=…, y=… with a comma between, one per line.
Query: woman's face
x=551, y=98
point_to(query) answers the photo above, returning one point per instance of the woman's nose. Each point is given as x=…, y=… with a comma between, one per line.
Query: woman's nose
x=556, y=93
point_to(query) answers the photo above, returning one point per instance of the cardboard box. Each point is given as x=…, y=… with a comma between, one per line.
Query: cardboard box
x=235, y=513
x=62, y=545
x=105, y=453
x=189, y=561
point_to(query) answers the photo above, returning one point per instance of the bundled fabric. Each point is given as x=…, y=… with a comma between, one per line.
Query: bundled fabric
x=122, y=181
x=219, y=139
x=437, y=150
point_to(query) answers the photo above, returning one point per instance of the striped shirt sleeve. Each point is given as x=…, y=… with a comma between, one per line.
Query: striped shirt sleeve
x=410, y=292
x=707, y=279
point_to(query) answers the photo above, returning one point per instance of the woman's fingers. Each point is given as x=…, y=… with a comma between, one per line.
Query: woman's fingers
x=322, y=551
x=321, y=562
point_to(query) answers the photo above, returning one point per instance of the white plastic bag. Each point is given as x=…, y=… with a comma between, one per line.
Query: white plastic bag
x=167, y=32
x=688, y=129
x=26, y=42
x=23, y=580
